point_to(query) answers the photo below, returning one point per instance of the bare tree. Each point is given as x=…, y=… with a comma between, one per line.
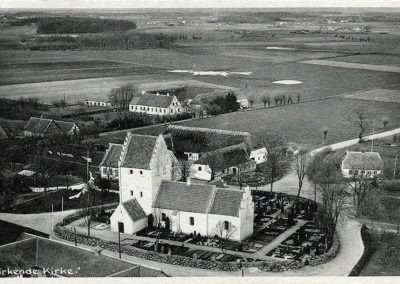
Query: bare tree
x=333, y=200
x=215, y=162
x=185, y=169
x=385, y=121
x=325, y=131
x=44, y=167
x=277, y=158
x=225, y=230
x=360, y=119
x=299, y=166
x=324, y=171
x=266, y=100
x=89, y=211
x=122, y=96
x=361, y=186
x=251, y=101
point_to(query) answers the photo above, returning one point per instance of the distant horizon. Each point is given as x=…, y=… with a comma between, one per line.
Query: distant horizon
x=196, y=4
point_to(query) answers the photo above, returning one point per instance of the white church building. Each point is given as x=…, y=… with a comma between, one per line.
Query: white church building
x=147, y=170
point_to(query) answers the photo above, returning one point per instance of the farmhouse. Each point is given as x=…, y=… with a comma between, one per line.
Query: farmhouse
x=109, y=164
x=156, y=104
x=259, y=155
x=92, y=103
x=242, y=101
x=146, y=174
x=191, y=143
x=43, y=126
x=199, y=208
x=362, y=164
x=229, y=160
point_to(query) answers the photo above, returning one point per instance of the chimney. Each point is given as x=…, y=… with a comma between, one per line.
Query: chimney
x=143, y=92
x=188, y=182
x=157, y=94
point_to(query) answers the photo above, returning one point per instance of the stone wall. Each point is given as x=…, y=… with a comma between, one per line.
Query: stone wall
x=271, y=265
x=332, y=252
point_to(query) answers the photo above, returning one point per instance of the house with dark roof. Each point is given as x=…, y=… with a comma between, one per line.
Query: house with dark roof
x=229, y=160
x=204, y=209
x=3, y=134
x=34, y=256
x=191, y=143
x=156, y=104
x=362, y=164
x=109, y=164
x=37, y=126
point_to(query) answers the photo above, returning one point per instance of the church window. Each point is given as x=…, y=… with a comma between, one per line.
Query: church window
x=131, y=192
x=131, y=172
x=191, y=220
x=226, y=225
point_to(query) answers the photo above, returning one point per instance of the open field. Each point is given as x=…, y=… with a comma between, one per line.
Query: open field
x=379, y=95
x=318, y=81
x=97, y=88
x=298, y=123
x=302, y=123
x=23, y=76
x=383, y=68
x=375, y=59
x=265, y=65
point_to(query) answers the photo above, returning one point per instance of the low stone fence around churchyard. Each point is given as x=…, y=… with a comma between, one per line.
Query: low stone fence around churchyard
x=271, y=265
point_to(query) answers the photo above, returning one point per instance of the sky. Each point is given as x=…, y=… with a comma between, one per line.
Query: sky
x=194, y=3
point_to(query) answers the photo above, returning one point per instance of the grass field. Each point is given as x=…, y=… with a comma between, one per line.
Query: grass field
x=302, y=123
x=352, y=65
x=378, y=59
x=318, y=81
x=385, y=261
x=379, y=95
x=297, y=123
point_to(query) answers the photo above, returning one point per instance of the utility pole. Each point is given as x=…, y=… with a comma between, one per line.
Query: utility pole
x=75, y=240
x=62, y=208
x=52, y=210
x=372, y=144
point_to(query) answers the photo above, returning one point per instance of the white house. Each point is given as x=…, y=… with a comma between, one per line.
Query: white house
x=129, y=217
x=366, y=164
x=156, y=104
x=199, y=208
x=242, y=101
x=93, y=103
x=109, y=165
x=259, y=155
x=229, y=160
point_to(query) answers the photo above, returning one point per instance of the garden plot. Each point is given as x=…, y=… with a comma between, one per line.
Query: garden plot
x=382, y=68
x=378, y=95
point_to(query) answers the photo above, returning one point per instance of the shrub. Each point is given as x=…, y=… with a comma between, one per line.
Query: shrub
x=391, y=185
